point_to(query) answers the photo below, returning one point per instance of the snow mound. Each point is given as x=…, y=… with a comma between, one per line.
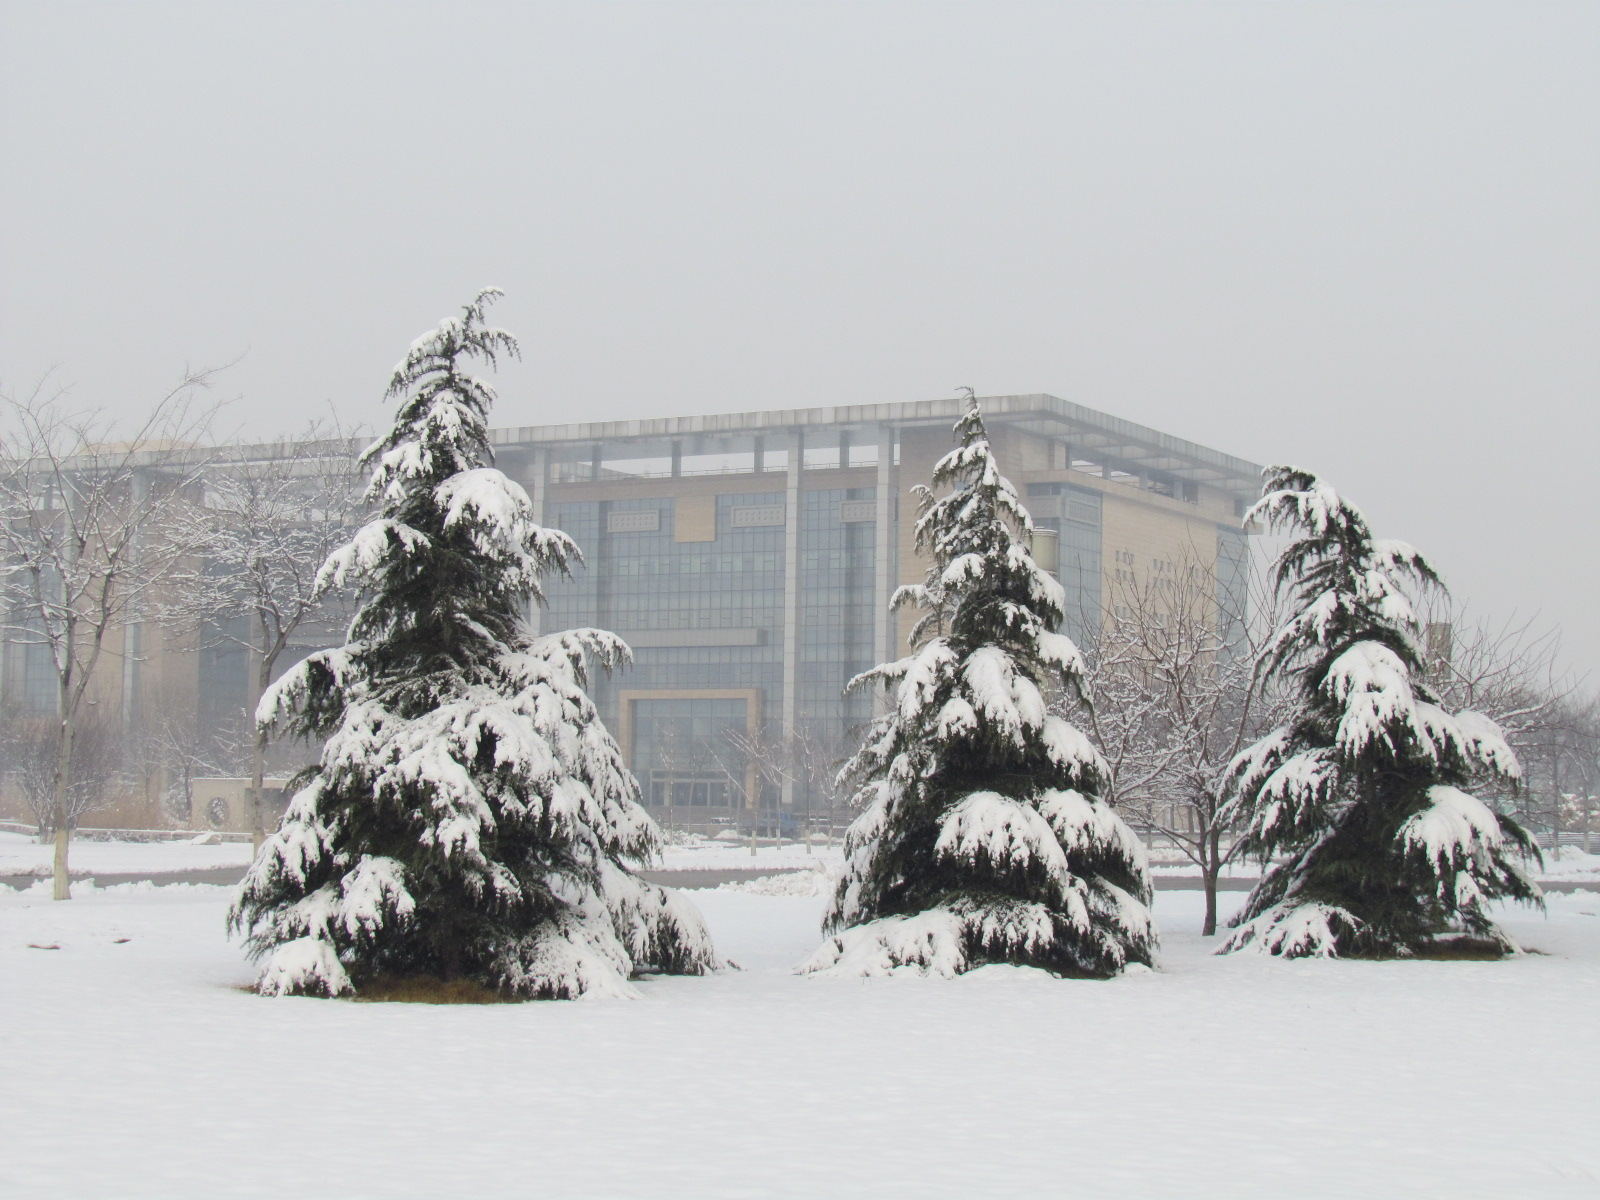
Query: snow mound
x=788, y=883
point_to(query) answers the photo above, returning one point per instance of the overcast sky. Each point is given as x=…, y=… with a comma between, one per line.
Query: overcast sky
x=1364, y=238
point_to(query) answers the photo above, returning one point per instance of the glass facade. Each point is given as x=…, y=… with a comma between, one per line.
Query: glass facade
x=706, y=616
x=686, y=753
x=837, y=609
x=1233, y=585
x=34, y=684
x=39, y=683
x=223, y=684
x=701, y=616
x=1075, y=515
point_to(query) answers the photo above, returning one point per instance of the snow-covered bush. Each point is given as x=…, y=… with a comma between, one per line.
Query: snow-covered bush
x=1362, y=799
x=982, y=839
x=471, y=818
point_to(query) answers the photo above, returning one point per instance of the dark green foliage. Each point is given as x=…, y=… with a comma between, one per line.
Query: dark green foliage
x=982, y=840
x=1361, y=804
x=471, y=818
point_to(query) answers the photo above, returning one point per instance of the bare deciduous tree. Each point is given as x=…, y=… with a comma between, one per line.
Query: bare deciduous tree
x=270, y=516
x=171, y=746
x=87, y=540
x=1511, y=672
x=809, y=759
x=28, y=757
x=1175, y=697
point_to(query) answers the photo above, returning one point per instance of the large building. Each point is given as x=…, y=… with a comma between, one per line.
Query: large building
x=749, y=558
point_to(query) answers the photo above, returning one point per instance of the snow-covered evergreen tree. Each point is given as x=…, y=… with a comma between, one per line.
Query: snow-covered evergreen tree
x=1363, y=797
x=982, y=839
x=471, y=817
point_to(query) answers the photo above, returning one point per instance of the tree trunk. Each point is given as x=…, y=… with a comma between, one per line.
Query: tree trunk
x=62, y=880
x=1210, y=871
x=1208, y=927
x=63, y=886
x=258, y=748
x=258, y=757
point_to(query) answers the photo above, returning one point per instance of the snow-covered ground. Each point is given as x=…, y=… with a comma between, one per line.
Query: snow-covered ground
x=24, y=855
x=1570, y=862
x=708, y=854
x=134, y=1065
x=21, y=854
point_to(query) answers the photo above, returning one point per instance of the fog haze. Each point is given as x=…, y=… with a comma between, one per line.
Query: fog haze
x=1360, y=238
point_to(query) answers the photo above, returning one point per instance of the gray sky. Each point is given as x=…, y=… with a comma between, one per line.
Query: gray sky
x=1364, y=238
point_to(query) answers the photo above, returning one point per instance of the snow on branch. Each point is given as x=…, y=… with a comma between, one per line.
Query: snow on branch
x=305, y=966
x=1373, y=686
x=374, y=546
x=1456, y=826
x=1008, y=700
x=1091, y=827
x=996, y=829
x=1296, y=931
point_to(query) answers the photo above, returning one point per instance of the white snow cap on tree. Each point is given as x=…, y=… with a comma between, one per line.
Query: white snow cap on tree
x=982, y=839
x=471, y=817
x=1361, y=803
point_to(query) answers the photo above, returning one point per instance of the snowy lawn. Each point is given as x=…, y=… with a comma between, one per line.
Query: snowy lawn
x=715, y=854
x=139, y=1068
x=1570, y=862
x=24, y=855
x=21, y=854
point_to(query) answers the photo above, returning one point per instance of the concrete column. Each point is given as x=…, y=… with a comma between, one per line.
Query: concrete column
x=791, y=604
x=538, y=473
x=133, y=628
x=677, y=459
x=885, y=561
x=886, y=549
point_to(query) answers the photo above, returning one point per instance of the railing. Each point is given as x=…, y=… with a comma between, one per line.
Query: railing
x=584, y=473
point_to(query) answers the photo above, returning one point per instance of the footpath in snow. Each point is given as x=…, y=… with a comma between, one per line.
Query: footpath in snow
x=136, y=1065
x=24, y=855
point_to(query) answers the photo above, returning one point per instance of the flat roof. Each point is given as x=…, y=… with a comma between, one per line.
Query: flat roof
x=1091, y=432
x=1094, y=432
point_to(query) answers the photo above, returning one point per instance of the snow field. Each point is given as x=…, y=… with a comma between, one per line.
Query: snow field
x=23, y=855
x=713, y=854
x=141, y=1069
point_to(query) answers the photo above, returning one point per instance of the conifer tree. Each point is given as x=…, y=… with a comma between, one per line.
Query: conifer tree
x=982, y=839
x=1362, y=799
x=471, y=817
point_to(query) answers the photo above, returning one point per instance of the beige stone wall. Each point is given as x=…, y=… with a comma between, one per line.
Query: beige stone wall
x=919, y=450
x=694, y=519
x=1143, y=544
x=223, y=802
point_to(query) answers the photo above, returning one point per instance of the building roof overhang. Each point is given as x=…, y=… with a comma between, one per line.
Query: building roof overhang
x=1091, y=433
